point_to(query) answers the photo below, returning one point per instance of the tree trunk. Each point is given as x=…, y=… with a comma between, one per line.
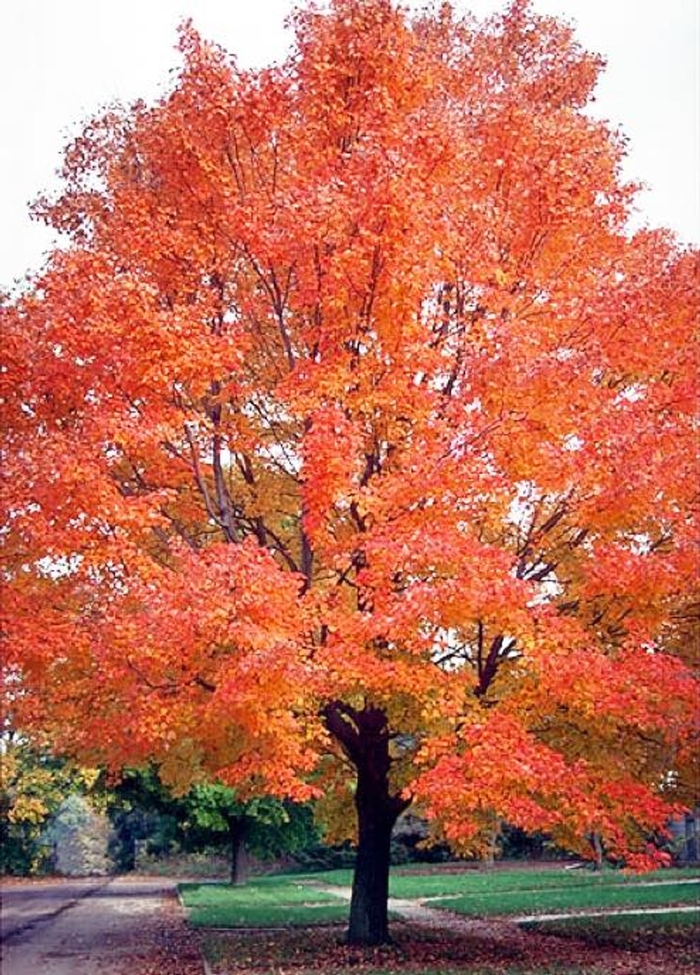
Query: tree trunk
x=597, y=845
x=364, y=736
x=369, y=919
x=237, y=830
x=489, y=858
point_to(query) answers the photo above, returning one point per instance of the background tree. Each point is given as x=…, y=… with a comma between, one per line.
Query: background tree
x=79, y=836
x=144, y=816
x=264, y=827
x=350, y=441
x=33, y=784
x=207, y=816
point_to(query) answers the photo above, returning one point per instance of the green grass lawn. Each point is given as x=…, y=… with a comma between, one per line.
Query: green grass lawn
x=304, y=943
x=268, y=902
x=295, y=899
x=538, y=900
x=411, y=883
x=477, y=882
x=336, y=878
x=622, y=923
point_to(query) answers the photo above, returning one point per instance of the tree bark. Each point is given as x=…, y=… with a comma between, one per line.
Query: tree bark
x=237, y=830
x=597, y=846
x=369, y=907
x=364, y=736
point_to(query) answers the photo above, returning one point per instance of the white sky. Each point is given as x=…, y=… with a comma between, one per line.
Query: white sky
x=60, y=60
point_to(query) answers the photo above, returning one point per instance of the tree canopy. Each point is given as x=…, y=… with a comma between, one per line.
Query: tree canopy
x=350, y=441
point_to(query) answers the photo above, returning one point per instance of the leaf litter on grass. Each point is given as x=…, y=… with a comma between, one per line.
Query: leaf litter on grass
x=421, y=950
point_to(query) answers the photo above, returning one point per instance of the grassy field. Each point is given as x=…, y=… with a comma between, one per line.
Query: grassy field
x=266, y=902
x=411, y=883
x=619, y=926
x=295, y=924
x=590, y=896
x=303, y=898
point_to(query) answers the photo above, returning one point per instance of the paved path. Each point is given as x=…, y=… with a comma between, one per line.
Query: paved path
x=68, y=928
x=23, y=906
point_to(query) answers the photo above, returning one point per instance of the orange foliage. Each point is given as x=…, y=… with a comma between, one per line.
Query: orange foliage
x=351, y=389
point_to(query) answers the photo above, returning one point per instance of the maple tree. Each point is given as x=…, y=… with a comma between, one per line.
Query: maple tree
x=350, y=442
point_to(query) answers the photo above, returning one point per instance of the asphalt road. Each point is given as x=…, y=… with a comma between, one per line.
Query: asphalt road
x=22, y=907
x=79, y=927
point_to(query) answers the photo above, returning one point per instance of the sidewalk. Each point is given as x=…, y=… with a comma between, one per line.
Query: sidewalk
x=121, y=928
